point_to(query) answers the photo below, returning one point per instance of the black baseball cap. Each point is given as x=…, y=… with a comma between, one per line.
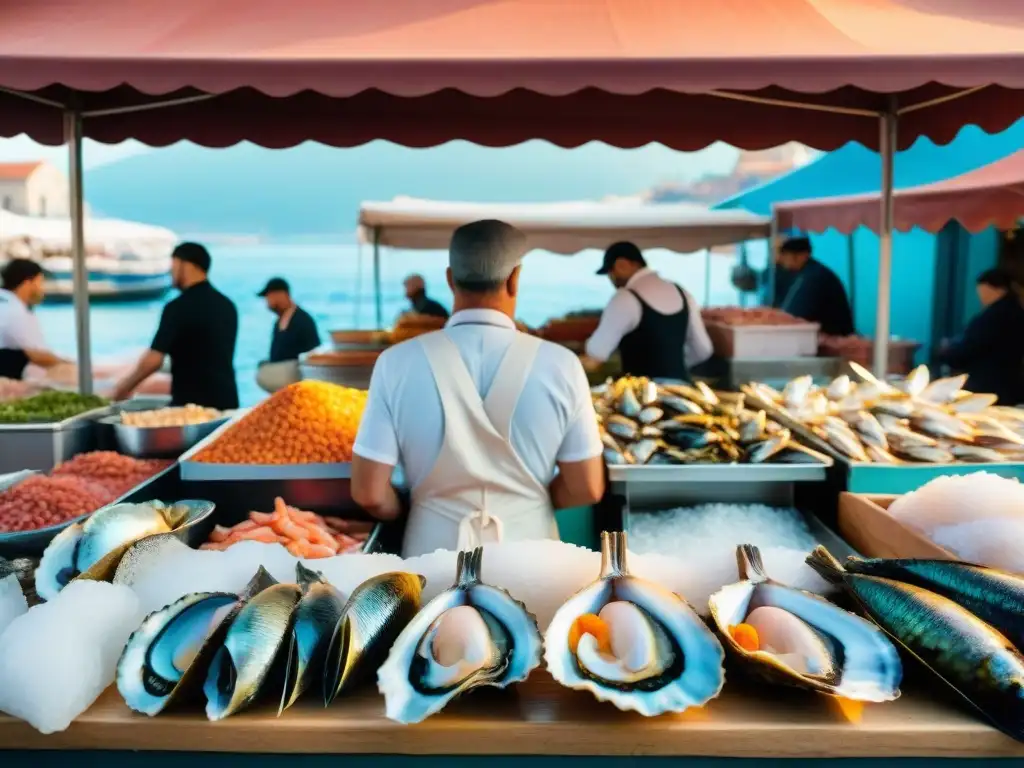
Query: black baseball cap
x=273, y=285
x=620, y=250
x=796, y=245
x=193, y=253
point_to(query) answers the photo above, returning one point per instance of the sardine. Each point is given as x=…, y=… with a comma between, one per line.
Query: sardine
x=620, y=426
x=846, y=442
x=707, y=394
x=870, y=379
x=975, y=659
x=929, y=454
x=797, y=390
x=942, y=391
x=651, y=430
x=650, y=414
x=766, y=449
x=628, y=404
x=839, y=388
x=753, y=427
x=976, y=453
x=994, y=596
x=869, y=430
x=973, y=403
x=917, y=381
x=648, y=393
x=880, y=455
x=900, y=407
x=643, y=450
x=680, y=404
x=614, y=457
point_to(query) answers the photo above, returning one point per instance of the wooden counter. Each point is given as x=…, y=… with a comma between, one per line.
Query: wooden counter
x=541, y=718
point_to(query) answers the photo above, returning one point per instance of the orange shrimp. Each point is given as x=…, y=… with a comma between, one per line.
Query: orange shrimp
x=319, y=550
x=220, y=533
x=283, y=523
x=261, y=518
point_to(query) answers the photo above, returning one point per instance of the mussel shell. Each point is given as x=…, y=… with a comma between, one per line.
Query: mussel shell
x=315, y=619
x=370, y=623
x=57, y=566
x=692, y=678
x=405, y=699
x=866, y=665
x=242, y=665
x=147, y=677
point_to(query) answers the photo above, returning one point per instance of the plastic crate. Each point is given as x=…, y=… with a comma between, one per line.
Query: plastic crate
x=764, y=342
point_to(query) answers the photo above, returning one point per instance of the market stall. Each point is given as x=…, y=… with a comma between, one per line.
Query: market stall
x=422, y=78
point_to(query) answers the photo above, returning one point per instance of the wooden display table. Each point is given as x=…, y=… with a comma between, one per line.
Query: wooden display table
x=541, y=718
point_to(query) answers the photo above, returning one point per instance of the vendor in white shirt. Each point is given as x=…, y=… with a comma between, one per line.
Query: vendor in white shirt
x=655, y=324
x=494, y=429
x=21, y=336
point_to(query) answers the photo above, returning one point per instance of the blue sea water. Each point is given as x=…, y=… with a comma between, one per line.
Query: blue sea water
x=335, y=284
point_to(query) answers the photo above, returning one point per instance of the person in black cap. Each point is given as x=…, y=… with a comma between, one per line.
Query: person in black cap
x=198, y=331
x=991, y=349
x=655, y=324
x=815, y=293
x=294, y=334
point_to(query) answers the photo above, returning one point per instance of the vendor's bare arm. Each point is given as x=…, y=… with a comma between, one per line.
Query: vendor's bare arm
x=150, y=362
x=578, y=483
x=44, y=358
x=372, y=489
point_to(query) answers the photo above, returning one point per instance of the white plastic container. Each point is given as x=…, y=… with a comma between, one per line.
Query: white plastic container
x=764, y=342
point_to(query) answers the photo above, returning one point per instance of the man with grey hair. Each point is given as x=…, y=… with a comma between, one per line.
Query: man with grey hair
x=419, y=302
x=493, y=428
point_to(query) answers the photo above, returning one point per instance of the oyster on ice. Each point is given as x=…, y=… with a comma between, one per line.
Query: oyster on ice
x=173, y=647
x=795, y=638
x=633, y=643
x=367, y=628
x=470, y=635
x=94, y=548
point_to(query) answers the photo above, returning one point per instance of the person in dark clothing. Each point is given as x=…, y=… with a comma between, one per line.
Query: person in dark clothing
x=295, y=330
x=421, y=304
x=655, y=325
x=991, y=349
x=198, y=331
x=815, y=293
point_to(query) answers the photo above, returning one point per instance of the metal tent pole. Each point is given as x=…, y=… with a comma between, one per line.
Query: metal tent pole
x=851, y=262
x=376, y=277
x=773, y=236
x=887, y=152
x=707, y=277
x=80, y=271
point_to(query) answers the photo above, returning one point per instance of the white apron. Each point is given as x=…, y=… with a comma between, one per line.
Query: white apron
x=479, y=490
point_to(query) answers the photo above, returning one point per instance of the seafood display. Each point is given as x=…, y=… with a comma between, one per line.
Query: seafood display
x=915, y=420
x=48, y=407
x=633, y=643
x=92, y=550
x=310, y=422
x=77, y=487
x=574, y=327
x=749, y=316
x=170, y=417
x=971, y=656
x=643, y=422
x=410, y=325
x=470, y=635
x=303, y=534
x=796, y=638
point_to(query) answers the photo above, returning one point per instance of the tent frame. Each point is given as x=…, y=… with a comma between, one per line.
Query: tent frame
x=74, y=118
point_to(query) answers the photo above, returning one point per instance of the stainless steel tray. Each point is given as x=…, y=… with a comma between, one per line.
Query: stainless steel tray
x=720, y=473
x=34, y=542
x=160, y=442
x=58, y=426
x=42, y=446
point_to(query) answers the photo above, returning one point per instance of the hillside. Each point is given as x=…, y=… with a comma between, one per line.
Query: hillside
x=315, y=191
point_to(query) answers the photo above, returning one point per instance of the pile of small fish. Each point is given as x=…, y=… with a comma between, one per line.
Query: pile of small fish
x=963, y=621
x=913, y=420
x=643, y=422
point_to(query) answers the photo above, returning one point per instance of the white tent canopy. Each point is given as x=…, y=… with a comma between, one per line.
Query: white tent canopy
x=565, y=228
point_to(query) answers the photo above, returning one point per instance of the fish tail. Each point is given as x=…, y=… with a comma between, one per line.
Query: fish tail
x=825, y=565
x=751, y=566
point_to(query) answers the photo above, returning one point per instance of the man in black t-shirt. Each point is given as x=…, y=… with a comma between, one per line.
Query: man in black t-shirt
x=198, y=331
x=294, y=334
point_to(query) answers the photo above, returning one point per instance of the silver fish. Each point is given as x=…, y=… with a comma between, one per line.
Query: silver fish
x=680, y=404
x=707, y=394
x=651, y=430
x=926, y=453
x=648, y=393
x=797, y=390
x=897, y=406
x=753, y=427
x=839, y=388
x=972, y=403
x=976, y=453
x=620, y=426
x=880, y=455
x=628, y=404
x=650, y=414
x=615, y=457
x=846, y=442
x=764, y=450
x=643, y=450
x=917, y=381
x=869, y=430
x=943, y=391
x=869, y=378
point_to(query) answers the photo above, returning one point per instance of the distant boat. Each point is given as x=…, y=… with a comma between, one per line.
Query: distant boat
x=127, y=261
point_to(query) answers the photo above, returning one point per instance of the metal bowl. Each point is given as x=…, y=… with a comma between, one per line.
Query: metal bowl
x=160, y=442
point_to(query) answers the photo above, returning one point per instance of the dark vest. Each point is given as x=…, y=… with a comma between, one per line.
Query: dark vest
x=655, y=348
x=12, y=363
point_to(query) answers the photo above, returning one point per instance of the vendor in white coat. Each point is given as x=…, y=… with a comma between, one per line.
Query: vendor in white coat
x=21, y=335
x=494, y=428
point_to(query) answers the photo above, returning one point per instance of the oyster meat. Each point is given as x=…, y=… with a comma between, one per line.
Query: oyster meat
x=633, y=643
x=470, y=635
x=795, y=638
x=94, y=548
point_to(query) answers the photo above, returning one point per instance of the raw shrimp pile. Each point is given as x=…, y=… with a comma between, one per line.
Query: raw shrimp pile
x=76, y=487
x=303, y=534
x=13, y=389
x=311, y=422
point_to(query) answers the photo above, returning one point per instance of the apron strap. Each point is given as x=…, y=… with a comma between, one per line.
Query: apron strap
x=508, y=384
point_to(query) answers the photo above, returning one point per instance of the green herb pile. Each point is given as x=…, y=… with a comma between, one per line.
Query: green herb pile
x=48, y=407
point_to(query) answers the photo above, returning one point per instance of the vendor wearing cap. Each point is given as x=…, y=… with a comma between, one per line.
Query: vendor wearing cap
x=815, y=293
x=198, y=331
x=655, y=324
x=21, y=335
x=293, y=335
x=494, y=429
